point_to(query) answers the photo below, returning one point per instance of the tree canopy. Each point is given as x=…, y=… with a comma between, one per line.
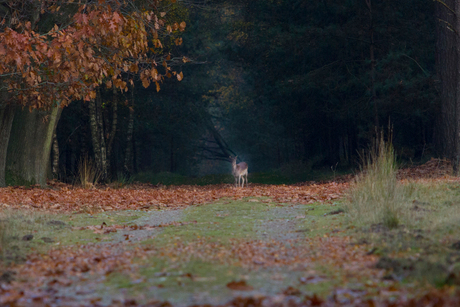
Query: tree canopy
x=97, y=42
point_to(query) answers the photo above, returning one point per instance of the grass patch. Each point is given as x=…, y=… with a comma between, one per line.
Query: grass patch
x=23, y=232
x=18, y=228
x=223, y=220
x=426, y=248
x=279, y=176
x=376, y=196
x=251, y=219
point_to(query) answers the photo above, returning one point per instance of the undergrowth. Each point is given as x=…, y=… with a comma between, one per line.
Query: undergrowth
x=413, y=225
x=376, y=196
x=88, y=173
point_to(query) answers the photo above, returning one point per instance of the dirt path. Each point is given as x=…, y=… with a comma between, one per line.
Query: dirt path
x=209, y=254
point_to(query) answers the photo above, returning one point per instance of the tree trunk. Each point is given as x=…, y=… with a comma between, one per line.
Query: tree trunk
x=372, y=56
x=171, y=152
x=94, y=133
x=29, y=147
x=55, y=163
x=114, y=124
x=84, y=132
x=6, y=121
x=447, y=63
x=100, y=129
x=128, y=165
x=97, y=137
x=456, y=155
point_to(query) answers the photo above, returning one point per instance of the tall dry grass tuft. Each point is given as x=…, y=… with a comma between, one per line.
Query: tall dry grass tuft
x=376, y=197
x=88, y=173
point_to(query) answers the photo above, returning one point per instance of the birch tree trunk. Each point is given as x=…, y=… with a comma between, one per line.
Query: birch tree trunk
x=97, y=137
x=100, y=131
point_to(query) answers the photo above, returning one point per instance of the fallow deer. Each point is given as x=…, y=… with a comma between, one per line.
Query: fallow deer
x=240, y=171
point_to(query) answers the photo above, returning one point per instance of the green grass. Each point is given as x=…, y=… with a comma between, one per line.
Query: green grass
x=15, y=224
x=280, y=176
x=376, y=196
x=224, y=220
x=421, y=247
x=412, y=225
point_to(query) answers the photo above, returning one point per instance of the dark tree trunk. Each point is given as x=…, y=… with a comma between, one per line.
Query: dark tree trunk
x=456, y=155
x=113, y=129
x=128, y=165
x=84, y=131
x=55, y=164
x=372, y=57
x=6, y=121
x=137, y=155
x=171, y=152
x=29, y=147
x=447, y=63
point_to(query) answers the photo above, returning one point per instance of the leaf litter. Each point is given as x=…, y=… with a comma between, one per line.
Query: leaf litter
x=42, y=278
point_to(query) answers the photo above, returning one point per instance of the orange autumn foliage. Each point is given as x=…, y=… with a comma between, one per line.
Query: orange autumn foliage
x=104, y=42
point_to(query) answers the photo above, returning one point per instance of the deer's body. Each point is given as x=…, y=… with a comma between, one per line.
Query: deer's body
x=240, y=172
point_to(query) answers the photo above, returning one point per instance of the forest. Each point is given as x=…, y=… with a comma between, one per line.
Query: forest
x=279, y=83
x=231, y=153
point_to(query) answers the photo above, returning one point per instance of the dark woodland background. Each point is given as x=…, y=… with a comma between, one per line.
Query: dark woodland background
x=295, y=85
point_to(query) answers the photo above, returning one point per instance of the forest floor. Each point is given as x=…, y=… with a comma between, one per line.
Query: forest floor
x=262, y=245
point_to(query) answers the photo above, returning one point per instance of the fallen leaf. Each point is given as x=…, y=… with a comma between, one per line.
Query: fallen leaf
x=239, y=286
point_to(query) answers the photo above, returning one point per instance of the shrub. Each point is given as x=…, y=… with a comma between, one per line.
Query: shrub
x=376, y=196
